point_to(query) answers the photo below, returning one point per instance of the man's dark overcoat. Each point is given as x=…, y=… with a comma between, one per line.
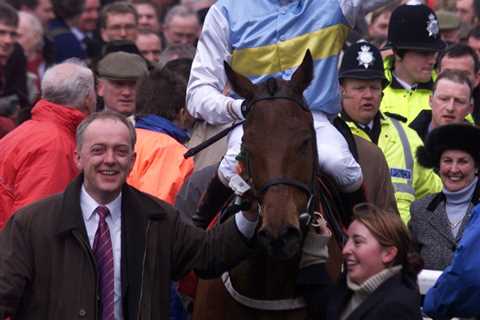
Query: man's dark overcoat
x=47, y=269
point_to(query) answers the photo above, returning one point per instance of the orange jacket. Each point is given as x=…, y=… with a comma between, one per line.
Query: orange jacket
x=160, y=168
x=37, y=157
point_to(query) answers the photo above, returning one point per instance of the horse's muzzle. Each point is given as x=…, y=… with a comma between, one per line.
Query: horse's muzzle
x=285, y=246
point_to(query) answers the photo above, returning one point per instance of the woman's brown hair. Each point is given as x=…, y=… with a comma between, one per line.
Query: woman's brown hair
x=390, y=231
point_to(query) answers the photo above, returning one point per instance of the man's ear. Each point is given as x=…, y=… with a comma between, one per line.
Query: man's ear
x=477, y=80
x=132, y=163
x=76, y=155
x=100, y=87
x=103, y=34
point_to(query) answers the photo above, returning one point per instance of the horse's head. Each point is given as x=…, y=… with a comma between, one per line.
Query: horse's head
x=279, y=154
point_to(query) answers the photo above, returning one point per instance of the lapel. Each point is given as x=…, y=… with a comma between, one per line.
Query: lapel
x=465, y=220
x=137, y=209
x=71, y=218
x=439, y=221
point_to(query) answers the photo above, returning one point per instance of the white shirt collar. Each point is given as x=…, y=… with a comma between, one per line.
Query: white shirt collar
x=403, y=83
x=88, y=205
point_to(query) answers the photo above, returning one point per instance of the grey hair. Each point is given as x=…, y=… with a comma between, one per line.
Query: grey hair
x=105, y=115
x=35, y=26
x=68, y=83
x=179, y=11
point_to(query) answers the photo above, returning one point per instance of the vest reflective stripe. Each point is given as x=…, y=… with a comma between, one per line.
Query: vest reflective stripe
x=403, y=187
x=258, y=61
x=407, y=152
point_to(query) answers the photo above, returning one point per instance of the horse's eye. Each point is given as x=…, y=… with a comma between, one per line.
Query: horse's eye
x=305, y=146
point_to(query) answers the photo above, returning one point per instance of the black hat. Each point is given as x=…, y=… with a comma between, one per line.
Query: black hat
x=362, y=60
x=464, y=137
x=414, y=27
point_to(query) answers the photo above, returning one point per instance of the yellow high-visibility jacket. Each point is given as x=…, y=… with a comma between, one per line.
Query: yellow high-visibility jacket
x=399, y=144
x=398, y=100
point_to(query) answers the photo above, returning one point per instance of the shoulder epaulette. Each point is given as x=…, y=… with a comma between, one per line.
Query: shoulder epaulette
x=396, y=116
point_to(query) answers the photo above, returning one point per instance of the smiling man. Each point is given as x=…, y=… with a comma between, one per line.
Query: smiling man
x=118, y=75
x=451, y=102
x=362, y=79
x=102, y=249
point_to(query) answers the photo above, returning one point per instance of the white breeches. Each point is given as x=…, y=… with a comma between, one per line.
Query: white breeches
x=333, y=154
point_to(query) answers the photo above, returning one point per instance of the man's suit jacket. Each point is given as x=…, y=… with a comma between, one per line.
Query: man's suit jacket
x=395, y=299
x=47, y=269
x=431, y=231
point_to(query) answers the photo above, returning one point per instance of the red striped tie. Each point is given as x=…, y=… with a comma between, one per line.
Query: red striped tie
x=102, y=250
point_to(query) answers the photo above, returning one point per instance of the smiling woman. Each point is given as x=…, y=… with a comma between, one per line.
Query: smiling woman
x=438, y=220
x=381, y=270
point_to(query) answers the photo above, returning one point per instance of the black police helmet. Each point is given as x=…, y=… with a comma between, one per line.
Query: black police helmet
x=362, y=60
x=414, y=27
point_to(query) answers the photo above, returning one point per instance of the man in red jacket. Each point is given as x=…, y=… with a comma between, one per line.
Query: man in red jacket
x=36, y=159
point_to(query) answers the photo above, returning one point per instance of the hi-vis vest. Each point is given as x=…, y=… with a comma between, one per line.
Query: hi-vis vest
x=398, y=100
x=268, y=39
x=410, y=180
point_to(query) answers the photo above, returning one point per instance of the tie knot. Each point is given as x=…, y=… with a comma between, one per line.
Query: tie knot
x=102, y=212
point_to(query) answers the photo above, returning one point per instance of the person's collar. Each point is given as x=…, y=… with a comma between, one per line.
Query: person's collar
x=89, y=205
x=398, y=83
x=78, y=34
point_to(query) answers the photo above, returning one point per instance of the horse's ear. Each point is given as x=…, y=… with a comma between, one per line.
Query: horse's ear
x=304, y=74
x=240, y=84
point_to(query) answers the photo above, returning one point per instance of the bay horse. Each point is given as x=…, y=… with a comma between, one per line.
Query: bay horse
x=280, y=163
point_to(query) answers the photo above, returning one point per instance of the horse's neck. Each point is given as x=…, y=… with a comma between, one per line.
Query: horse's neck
x=261, y=277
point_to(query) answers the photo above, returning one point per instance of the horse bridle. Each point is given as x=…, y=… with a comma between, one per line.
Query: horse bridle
x=306, y=217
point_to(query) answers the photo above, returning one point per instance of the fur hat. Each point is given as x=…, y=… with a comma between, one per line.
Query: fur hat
x=464, y=137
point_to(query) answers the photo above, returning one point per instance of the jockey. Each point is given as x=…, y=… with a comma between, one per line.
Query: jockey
x=271, y=43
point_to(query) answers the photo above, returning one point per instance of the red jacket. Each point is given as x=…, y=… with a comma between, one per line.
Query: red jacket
x=160, y=168
x=37, y=158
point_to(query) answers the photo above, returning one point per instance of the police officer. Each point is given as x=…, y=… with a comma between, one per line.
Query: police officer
x=362, y=79
x=414, y=37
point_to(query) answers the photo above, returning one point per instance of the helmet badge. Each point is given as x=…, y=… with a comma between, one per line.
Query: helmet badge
x=365, y=57
x=432, y=26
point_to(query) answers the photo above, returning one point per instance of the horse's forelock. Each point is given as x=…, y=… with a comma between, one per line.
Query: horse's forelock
x=272, y=86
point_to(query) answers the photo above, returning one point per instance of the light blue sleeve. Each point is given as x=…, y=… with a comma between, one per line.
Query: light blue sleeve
x=457, y=292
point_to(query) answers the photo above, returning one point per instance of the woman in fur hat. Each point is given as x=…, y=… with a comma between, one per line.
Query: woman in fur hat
x=438, y=220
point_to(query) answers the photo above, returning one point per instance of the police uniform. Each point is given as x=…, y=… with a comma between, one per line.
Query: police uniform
x=393, y=137
x=411, y=27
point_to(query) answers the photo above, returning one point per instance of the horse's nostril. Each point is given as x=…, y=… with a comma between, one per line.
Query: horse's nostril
x=291, y=234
